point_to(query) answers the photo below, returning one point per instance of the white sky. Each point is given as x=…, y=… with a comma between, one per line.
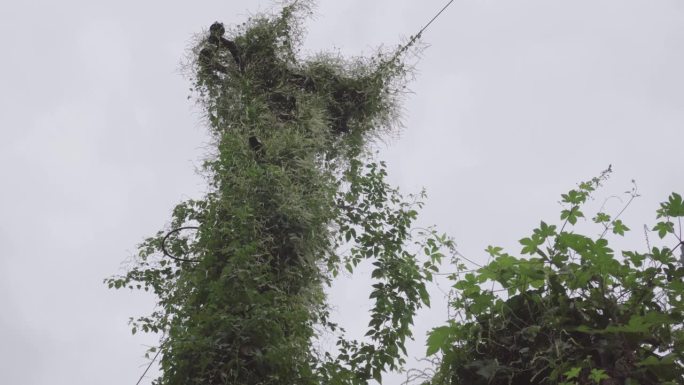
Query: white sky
x=514, y=102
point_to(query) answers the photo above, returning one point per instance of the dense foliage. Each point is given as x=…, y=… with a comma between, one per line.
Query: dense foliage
x=239, y=275
x=296, y=197
x=572, y=311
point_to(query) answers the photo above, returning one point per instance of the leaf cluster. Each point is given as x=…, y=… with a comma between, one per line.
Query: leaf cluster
x=569, y=310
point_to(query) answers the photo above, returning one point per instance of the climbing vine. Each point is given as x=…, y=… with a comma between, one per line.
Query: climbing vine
x=239, y=275
x=571, y=311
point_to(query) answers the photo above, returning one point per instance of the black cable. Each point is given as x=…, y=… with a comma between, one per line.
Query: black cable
x=435, y=17
x=163, y=244
x=417, y=36
x=149, y=366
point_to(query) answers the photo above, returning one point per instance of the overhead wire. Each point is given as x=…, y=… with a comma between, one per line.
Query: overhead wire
x=149, y=366
x=435, y=17
x=420, y=32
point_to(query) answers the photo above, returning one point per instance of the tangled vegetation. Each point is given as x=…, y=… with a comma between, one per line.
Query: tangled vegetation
x=575, y=312
x=240, y=274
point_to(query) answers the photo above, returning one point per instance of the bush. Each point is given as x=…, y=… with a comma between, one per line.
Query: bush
x=575, y=312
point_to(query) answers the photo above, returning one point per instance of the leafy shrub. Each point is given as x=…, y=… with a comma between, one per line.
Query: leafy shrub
x=575, y=312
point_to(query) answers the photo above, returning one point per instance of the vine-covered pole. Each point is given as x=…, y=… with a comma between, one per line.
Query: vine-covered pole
x=240, y=274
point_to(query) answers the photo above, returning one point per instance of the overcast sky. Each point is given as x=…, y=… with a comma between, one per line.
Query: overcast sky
x=514, y=103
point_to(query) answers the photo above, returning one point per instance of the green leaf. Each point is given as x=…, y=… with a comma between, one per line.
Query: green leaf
x=573, y=373
x=493, y=251
x=636, y=258
x=658, y=361
x=674, y=207
x=663, y=228
x=598, y=375
x=619, y=227
x=601, y=218
x=546, y=231
x=572, y=215
x=574, y=197
x=377, y=374
x=424, y=295
x=349, y=267
x=529, y=245
x=438, y=339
